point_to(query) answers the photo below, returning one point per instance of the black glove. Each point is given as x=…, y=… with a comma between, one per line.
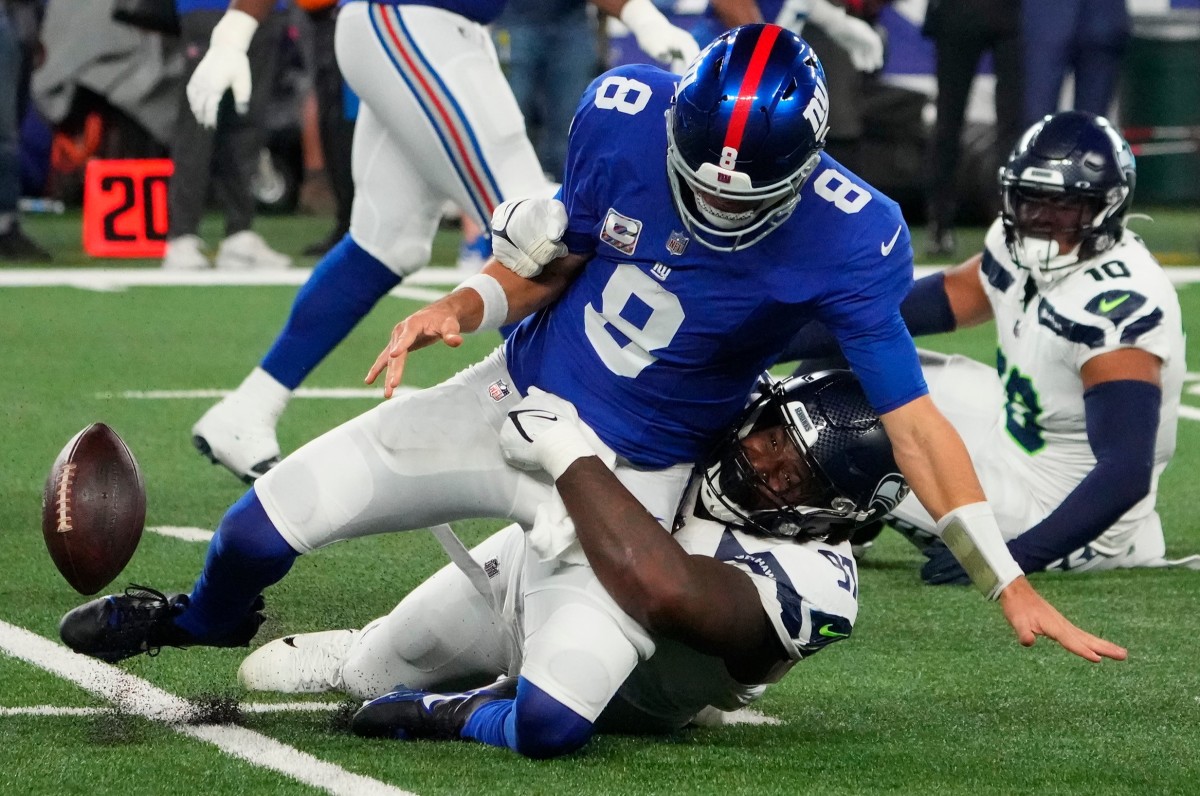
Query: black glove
x=943, y=568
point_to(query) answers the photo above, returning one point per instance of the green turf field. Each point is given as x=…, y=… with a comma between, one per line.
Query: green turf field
x=931, y=696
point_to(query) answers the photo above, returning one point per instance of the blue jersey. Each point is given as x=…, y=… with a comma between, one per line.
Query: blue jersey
x=481, y=11
x=659, y=340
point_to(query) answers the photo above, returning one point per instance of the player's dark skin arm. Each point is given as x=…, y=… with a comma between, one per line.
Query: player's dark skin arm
x=712, y=607
x=255, y=8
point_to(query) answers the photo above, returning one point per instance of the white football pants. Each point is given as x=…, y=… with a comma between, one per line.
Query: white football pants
x=969, y=393
x=437, y=122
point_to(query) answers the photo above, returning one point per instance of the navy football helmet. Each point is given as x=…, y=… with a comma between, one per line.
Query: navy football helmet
x=847, y=475
x=744, y=132
x=1070, y=177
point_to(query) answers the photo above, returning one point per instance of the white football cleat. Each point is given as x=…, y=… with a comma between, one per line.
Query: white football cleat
x=185, y=253
x=236, y=435
x=247, y=251
x=306, y=663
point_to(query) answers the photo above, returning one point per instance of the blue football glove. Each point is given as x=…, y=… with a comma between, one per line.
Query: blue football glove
x=943, y=568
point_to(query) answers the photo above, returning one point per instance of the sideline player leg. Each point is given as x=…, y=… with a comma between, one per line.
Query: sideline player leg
x=438, y=122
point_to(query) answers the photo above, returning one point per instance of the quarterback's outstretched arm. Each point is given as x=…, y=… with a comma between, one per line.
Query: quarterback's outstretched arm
x=490, y=299
x=938, y=468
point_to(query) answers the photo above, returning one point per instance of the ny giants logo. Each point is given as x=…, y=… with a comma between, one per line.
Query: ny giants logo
x=817, y=111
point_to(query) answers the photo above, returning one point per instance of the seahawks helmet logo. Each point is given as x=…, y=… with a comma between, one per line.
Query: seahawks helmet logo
x=888, y=494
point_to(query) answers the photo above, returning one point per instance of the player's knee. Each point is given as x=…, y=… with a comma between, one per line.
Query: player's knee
x=403, y=253
x=544, y=727
x=248, y=533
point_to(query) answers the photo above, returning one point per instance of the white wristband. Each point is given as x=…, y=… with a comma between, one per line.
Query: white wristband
x=234, y=31
x=974, y=538
x=495, y=300
x=560, y=447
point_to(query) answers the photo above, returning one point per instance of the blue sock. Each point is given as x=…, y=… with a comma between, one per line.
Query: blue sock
x=245, y=556
x=534, y=724
x=343, y=288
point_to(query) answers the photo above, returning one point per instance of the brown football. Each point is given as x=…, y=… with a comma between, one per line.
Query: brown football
x=93, y=508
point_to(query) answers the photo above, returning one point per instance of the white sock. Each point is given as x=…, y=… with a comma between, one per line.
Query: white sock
x=262, y=391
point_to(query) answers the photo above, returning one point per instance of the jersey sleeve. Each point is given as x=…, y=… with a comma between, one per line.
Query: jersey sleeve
x=809, y=591
x=1126, y=303
x=610, y=115
x=863, y=312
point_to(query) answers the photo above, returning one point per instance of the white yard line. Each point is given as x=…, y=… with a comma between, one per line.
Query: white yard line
x=417, y=286
x=186, y=534
x=245, y=707
x=139, y=697
x=360, y=393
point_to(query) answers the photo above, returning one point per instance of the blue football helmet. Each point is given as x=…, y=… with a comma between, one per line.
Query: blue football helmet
x=847, y=475
x=1070, y=176
x=744, y=132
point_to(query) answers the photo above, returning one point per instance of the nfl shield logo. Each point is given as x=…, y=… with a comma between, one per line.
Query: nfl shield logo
x=498, y=390
x=677, y=243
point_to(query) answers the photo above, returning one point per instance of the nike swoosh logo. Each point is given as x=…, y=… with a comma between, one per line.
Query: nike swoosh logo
x=514, y=416
x=289, y=640
x=886, y=248
x=1109, y=306
x=828, y=632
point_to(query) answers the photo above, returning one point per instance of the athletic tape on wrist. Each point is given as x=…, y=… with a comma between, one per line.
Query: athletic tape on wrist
x=561, y=447
x=234, y=31
x=495, y=300
x=974, y=538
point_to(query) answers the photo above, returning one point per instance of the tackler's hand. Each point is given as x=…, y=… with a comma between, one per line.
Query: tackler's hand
x=544, y=432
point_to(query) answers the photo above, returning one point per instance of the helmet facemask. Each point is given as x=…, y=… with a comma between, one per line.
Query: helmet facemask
x=1066, y=190
x=698, y=193
x=797, y=500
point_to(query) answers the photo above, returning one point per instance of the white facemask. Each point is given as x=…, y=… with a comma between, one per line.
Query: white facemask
x=723, y=219
x=1042, y=257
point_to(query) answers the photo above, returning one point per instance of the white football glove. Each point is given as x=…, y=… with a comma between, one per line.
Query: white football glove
x=223, y=67
x=657, y=37
x=527, y=234
x=855, y=36
x=544, y=432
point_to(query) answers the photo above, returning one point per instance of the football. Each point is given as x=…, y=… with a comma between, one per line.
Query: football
x=93, y=508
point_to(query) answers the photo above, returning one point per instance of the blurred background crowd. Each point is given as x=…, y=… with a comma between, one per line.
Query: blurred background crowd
x=927, y=98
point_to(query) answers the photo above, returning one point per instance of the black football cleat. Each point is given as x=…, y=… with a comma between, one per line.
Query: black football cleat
x=120, y=626
x=405, y=714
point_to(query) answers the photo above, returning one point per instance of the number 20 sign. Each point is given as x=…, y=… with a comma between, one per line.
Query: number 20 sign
x=125, y=207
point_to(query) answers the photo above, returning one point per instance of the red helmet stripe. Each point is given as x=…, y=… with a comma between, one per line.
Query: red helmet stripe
x=749, y=87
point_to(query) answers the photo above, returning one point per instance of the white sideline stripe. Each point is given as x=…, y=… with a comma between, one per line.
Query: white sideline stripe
x=375, y=393
x=245, y=707
x=1189, y=412
x=415, y=286
x=186, y=534
x=137, y=696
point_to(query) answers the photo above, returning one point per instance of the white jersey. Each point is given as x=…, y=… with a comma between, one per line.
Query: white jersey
x=809, y=590
x=1119, y=299
x=444, y=634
